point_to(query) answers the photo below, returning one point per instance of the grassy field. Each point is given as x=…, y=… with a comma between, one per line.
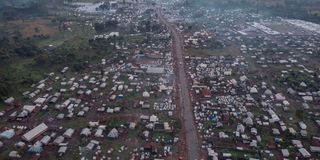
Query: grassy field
x=135, y=39
x=78, y=36
x=232, y=50
x=21, y=72
x=31, y=27
x=75, y=123
x=36, y=27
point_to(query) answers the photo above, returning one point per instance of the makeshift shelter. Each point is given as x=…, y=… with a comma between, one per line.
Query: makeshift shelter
x=113, y=133
x=7, y=134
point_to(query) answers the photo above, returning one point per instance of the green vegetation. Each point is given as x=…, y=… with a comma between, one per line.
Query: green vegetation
x=133, y=133
x=115, y=122
x=17, y=76
x=40, y=115
x=103, y=46
x=209, y=124
x=25, y=61
x=75, y=124
x=162, y=136
x=266, y=137
x=227, y=51
x=1, y=106
x=135, y=39
x=243, y=154
x=106, y=26
x=293, y=79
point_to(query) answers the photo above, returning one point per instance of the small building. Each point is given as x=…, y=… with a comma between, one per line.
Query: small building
x=206, y=93
x=132, y=125
x=302, y=125
x=285, y=152
x=58, y=140
x=35, y=132
x=68, y=133
x=45, y=140
x=29, y=108
x=36, y=148
x=304, y=153
x=9, y=101
x=40, y=100
x=14, y=154
x=315, y=149
x=145, y=94
x=113, y=133
x=85, y=132
x=62, y=150
x=99, y=133
x=7, y=134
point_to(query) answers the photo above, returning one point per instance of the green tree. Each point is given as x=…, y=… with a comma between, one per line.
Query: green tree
x=42, y=59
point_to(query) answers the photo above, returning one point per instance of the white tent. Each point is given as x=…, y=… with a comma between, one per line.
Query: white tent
x=145, y=94
x=113, y=133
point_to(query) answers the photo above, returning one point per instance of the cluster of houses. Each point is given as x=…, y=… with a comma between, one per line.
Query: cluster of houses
x=121, y=107
x=198, y=39
x=235, y=114
x=298, y=76
x=262, y=101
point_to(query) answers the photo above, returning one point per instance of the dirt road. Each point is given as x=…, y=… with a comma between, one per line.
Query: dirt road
x=192, y=141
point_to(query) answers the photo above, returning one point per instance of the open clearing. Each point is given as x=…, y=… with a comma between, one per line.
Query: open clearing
x=29, y=28
x=230, y=50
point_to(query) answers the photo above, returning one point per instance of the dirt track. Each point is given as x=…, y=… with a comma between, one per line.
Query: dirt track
x=192, y=141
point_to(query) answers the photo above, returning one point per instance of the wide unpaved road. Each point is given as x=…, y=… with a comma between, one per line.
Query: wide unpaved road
x=185, y=103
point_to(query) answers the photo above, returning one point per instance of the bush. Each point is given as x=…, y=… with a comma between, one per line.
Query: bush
x=42, y=59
